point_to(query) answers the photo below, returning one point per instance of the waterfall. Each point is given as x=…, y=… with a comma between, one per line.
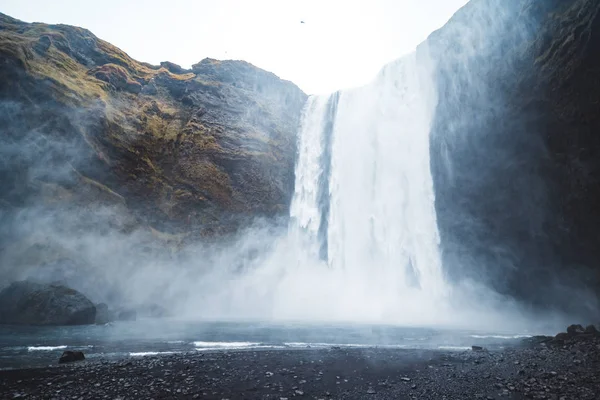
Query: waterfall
x=310, y=204
x=364, y=192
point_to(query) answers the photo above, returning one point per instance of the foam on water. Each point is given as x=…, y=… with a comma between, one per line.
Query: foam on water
x=303, y=345
x=45, y=348
x=150, y=353
x=505, y=337
x=225, y=345
x=454, y=348
x=41, y=346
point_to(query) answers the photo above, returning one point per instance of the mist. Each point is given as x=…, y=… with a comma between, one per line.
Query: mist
x=396, y=188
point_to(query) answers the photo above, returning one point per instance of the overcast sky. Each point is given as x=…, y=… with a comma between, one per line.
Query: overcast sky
x=342, y=43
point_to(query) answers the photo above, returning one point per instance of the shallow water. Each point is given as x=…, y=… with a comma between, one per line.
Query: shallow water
x=42, y=346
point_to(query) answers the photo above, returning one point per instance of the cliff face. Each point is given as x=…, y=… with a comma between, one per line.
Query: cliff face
x=515, y=150
x=180, y=150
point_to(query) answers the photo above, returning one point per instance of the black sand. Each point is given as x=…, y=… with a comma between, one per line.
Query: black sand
x=561, y=370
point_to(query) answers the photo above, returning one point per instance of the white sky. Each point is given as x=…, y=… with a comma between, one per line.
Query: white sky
x=342, y=43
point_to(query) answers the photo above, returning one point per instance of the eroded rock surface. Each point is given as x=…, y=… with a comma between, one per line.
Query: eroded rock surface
x=30, y=303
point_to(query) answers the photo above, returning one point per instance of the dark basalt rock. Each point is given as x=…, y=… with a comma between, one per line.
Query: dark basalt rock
x=71, y=356
x=591, y=329
x=575, y=329
x=514, y=149
x=29, y=303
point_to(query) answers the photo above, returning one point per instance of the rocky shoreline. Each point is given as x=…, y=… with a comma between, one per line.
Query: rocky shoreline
x=562, y=367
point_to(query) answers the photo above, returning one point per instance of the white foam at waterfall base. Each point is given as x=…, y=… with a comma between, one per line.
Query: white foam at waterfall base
x=382, y=262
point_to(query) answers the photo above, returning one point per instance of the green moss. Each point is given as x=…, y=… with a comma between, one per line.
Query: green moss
x=171, y=157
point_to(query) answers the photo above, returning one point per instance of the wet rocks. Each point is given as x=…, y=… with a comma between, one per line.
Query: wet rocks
x=561, y=336
x=30, y=303
x=542, y=373
x=71, y=356
x=575, y=329
x=591, y=329
x=574, y=334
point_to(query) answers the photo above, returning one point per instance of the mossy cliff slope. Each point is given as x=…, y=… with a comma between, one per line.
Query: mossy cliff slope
x=180, y=150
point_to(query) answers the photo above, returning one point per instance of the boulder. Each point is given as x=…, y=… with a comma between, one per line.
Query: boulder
x=174, y=68
x=575, y=329
x=561, y=336
x=71, y=356
x=591, y=329
x=30, y=303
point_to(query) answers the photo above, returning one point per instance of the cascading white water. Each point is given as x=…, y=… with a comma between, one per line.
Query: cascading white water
x=381, y=223
x=362, y=244
x=304, y=210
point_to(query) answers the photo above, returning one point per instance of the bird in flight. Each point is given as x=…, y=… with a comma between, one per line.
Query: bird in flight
x=301, y=22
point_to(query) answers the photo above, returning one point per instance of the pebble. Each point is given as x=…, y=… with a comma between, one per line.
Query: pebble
x=461, y=378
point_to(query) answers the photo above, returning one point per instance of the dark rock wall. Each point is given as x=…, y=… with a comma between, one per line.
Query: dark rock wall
x=514, y=148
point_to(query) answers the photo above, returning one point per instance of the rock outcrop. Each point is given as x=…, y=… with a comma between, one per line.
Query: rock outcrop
x=30, y=303
x=200, y=150
x=514, y=148
x=71, y=356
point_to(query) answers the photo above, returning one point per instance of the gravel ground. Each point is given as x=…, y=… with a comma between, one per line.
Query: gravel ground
x=566, y=367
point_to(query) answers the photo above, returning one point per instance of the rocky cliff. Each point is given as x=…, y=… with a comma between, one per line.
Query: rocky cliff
x=82, y=124
x=515, y=148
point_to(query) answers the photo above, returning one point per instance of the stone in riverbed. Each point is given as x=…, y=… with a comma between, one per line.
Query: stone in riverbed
x=30, y=303
x=71, y=356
